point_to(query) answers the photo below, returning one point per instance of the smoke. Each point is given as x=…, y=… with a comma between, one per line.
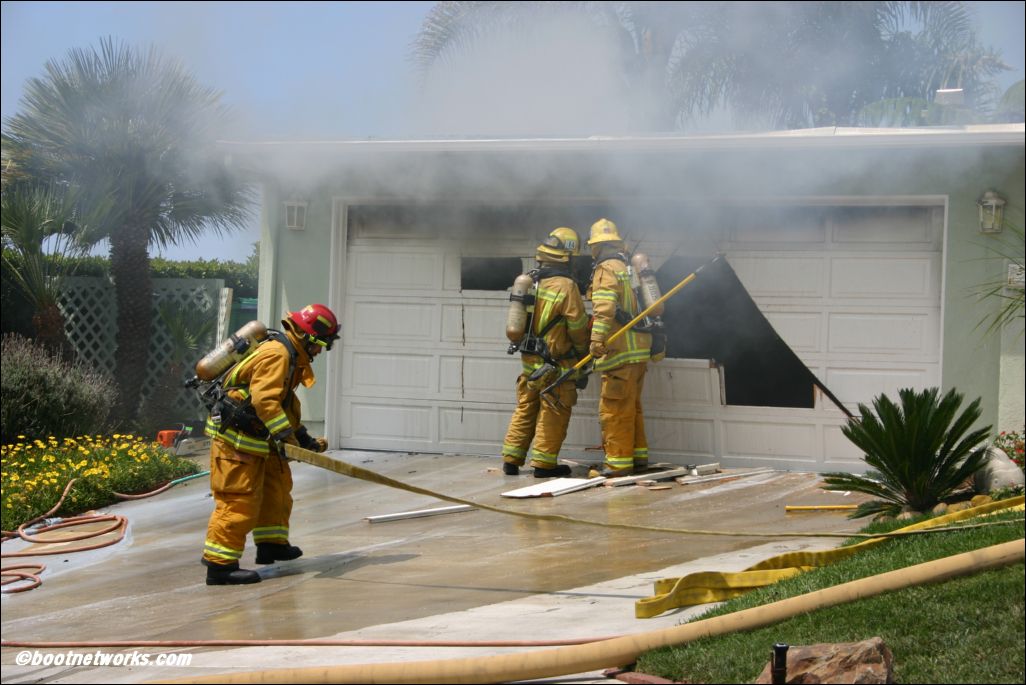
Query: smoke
x=557, y=77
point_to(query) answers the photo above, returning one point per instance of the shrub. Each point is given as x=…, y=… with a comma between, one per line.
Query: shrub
x=45, y=395
x=921, y=451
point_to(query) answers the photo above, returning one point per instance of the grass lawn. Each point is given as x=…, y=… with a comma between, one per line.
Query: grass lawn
x=967, y=630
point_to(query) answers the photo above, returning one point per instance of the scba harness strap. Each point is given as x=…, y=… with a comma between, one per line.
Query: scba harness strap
x=534, y=343
x=231, y=413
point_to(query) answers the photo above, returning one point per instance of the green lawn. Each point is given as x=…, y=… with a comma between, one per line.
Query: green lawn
x=967, y=630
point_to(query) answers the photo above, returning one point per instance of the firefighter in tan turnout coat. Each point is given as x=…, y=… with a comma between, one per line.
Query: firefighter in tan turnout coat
x=551, y=340
x=249, y=475
x=622, y=363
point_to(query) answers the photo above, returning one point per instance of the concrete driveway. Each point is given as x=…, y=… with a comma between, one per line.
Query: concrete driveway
x=466, y=576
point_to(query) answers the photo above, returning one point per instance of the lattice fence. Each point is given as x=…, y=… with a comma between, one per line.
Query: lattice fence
x=90, y=315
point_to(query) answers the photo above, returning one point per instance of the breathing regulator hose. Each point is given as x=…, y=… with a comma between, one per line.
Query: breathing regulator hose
x=624, y=650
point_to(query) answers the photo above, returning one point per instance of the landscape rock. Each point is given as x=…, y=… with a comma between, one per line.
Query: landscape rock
x=869, y=661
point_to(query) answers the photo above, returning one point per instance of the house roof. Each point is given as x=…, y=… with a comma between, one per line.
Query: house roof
x=986, y=135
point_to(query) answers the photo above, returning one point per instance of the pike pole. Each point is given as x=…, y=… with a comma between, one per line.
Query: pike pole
x=629, y=325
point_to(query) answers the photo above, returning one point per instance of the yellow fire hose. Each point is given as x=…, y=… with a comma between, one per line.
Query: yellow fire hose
x=701, y=588
x=624, y=650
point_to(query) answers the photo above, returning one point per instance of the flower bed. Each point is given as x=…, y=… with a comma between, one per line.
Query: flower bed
x=35, y=473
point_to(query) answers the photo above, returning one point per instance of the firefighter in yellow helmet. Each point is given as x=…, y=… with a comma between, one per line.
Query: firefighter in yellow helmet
x=622, y=363
x=249, y=475
x=556, y=338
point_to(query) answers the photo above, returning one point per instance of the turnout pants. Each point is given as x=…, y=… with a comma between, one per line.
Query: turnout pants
x=538, y=421
x=252, y=494
x=623, y=424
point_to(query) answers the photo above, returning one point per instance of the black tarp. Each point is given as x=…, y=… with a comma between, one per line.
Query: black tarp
x=714, y=317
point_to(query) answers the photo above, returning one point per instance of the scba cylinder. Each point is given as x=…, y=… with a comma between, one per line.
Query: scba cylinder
x=231, y=351
x=647, y=284
x=516, y=317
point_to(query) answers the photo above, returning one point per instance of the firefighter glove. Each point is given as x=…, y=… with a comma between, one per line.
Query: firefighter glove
x=305, y=440
x=322, y=445
x=597, y=349
x=542, y=376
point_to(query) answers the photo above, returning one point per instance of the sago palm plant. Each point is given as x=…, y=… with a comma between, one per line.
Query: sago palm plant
x=920, y=451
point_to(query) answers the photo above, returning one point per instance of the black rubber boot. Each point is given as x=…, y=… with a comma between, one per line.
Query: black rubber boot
x=229, y=574
x=270, y=552
x=559, y=472
x=510, y=469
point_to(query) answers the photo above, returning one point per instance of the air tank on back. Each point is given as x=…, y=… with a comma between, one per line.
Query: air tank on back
x=647, y=284
x=516, y=316
x=228, y=353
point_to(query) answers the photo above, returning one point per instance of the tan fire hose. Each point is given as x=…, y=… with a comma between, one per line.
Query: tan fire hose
x=624, y=650
x=338, y=466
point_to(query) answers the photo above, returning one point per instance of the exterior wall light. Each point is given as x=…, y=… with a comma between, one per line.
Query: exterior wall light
x=295, y=215
x=992, y=212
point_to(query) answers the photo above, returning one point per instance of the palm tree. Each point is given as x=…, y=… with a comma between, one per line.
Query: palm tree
x=785, y=64
x=138, y=129
x=921, y=451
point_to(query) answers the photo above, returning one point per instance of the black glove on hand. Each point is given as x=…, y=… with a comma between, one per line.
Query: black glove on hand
x=306, y=441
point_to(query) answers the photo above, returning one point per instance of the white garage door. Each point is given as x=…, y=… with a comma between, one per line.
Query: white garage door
x=854, y=291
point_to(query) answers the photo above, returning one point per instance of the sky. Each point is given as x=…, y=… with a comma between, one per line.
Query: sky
x=295, y=70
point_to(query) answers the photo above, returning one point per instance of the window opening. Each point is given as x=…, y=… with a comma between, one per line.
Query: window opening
x=489, y=273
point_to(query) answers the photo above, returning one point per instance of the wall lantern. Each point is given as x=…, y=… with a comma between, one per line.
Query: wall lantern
x=992, y=212
x=295, y=215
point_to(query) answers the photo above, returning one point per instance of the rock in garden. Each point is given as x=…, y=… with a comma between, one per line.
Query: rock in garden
x=869, y=661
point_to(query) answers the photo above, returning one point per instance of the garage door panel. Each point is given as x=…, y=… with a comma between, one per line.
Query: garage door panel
x=375, y=373
x=801, y=232
x=478, y=378
x=387, y=270
x=839, y=454
x=388, y=322
x=751, y=438
x=879, y=333
x=474, y=323
x=678, y=381
x=853, y=385
x=802, y=331
x=686, y=437
x=472, y=426
x=907, y=228
x=776, y=275
x=904, y=278
x=388, y=424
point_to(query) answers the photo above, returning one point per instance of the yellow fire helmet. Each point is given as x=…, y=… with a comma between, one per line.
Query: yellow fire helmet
x=604, y=231
x=561, y=244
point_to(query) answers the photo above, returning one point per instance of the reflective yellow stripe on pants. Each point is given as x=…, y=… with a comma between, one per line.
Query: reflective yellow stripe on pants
x=623, y=424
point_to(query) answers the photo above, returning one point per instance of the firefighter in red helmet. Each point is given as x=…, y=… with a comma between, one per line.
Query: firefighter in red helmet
x=249, y=475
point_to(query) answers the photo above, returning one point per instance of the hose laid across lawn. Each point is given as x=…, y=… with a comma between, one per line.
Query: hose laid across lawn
x=624, y=650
